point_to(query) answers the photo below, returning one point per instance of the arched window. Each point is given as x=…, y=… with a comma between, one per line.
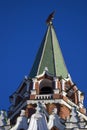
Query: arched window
x=46, y=90
x=46, y=87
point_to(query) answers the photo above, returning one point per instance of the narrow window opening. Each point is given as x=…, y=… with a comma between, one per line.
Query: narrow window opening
x=46, y=90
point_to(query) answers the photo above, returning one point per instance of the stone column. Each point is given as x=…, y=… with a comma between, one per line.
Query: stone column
x=34, y=82
x=79, y=99
x=63, y=88
x=33, y=91
x=56, y=90
x=56, y=82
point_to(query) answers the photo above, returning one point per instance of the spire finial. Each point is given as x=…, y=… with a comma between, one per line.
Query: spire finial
x=50, y=18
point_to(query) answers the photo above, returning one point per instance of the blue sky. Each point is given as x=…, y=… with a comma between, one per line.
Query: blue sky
x=22, y=27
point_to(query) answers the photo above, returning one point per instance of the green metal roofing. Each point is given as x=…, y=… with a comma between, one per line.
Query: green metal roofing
x=49, y=55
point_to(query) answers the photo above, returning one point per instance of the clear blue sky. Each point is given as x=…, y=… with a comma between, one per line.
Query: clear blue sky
x=22, y=27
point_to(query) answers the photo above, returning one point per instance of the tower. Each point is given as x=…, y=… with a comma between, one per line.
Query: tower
x=48, y=83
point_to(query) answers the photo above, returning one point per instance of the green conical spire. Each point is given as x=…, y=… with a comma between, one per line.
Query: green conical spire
x=49, y=55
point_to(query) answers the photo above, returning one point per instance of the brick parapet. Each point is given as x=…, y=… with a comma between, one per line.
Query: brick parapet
x=32, y=97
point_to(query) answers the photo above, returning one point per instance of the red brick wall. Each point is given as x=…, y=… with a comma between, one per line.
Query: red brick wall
x=50, y=107
x=82, y=110
x=37, y=87
x=64, y=111
x=32, y=96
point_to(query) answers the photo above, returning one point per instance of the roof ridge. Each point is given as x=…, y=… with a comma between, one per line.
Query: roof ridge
x=53, y=49
x=59, y=50
x=42, y=52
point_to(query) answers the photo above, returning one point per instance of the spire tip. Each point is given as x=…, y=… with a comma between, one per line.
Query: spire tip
x=50, y=18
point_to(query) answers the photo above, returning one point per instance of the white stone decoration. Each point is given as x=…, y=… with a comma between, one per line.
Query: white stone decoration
x=54, y=120
x=2, y=118
x=75, y=122
x=34, y=81
x=63, y=88
x=86, y=126
x=72, y=121
x=80, y=100
x=26, y=77
x=33, y=91
x=56, y=90
x=21, y=122
x=38, y=120
x=56, y=81
x=43, y=109
x=46, y=69
x=74, y=115
x=82, y=123
x=69, y=78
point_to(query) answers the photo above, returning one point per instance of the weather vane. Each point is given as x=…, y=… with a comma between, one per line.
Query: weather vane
x=50, y=18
